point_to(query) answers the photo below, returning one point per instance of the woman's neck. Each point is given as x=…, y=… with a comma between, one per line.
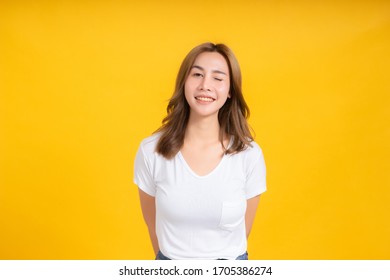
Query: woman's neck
x=202, y=130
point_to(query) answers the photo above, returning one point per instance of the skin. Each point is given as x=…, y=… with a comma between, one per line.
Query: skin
x=148, y=207
x=206, y=91
x=209, y=77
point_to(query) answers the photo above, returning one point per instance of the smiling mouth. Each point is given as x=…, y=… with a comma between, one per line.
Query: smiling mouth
x=204, y=98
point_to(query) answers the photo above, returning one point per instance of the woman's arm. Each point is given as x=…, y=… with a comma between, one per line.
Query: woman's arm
x=148, y=207
x=251, y=207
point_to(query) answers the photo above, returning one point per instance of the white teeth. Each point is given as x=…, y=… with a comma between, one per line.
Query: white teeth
x=201, y=98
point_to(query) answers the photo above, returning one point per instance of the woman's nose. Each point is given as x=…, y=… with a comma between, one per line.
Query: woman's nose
x=205, y=84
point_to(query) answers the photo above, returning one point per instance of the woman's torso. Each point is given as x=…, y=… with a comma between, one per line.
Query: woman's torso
x=202, y=217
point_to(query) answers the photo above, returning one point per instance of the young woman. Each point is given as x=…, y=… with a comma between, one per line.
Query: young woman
x=200, y=175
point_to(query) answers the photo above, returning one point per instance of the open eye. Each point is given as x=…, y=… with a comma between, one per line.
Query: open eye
x=197, y=74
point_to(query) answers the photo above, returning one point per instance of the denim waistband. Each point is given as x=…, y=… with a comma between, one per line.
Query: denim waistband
x=160, y=256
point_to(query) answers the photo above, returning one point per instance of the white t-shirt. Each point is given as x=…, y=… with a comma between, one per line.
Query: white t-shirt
x=200, y=217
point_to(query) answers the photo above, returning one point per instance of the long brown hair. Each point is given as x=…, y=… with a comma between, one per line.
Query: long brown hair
x=232, y=116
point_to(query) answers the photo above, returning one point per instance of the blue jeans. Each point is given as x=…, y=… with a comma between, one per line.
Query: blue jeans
x=160, y=256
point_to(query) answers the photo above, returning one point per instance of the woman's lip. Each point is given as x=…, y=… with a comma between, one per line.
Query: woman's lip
x=204, y=98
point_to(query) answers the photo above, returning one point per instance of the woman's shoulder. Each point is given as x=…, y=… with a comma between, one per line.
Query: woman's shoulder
x=148, y=144
x=252, y=152
x=251, y=156
x=254, y=147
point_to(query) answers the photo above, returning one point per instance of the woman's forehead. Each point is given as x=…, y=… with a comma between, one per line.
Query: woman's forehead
x=211, y=61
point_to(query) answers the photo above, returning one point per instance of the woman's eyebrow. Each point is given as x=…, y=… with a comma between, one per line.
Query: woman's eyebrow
x=214, y=71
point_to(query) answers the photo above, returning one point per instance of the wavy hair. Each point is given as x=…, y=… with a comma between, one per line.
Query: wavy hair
x=232, y=116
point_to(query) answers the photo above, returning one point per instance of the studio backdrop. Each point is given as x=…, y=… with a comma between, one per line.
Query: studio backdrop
x=82, y=82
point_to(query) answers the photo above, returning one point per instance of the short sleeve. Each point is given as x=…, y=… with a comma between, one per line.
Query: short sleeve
x=255, y=181
x=142, y=173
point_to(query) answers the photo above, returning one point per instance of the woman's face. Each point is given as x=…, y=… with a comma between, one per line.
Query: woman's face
x=207, y=85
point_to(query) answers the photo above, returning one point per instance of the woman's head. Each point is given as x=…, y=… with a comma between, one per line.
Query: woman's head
x=232, y=114
x=188, y=62
x=207, y=86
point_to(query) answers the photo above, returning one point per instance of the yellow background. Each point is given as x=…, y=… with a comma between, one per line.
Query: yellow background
x=82, y=82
